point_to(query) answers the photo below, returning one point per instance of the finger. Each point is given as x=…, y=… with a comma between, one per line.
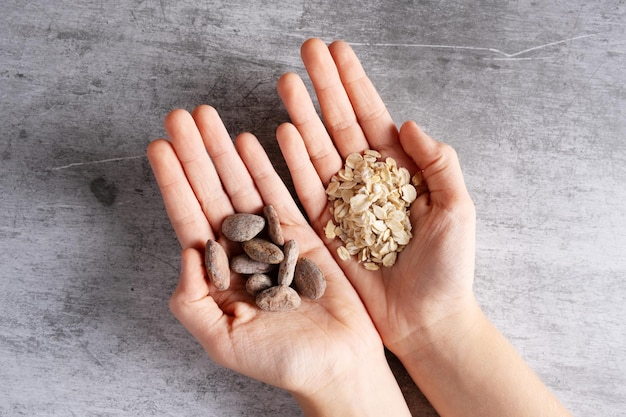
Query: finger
x=306, y=176
x=337, y=111
x=370, y=110
x=198, y=167
x=439, y=162
x=192, y=285
x=267, y=181
x=319, y=146
x=231, y=170
x=191, y=303
x=183, y=209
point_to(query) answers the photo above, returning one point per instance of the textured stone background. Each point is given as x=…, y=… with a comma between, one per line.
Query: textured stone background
x=531, y=94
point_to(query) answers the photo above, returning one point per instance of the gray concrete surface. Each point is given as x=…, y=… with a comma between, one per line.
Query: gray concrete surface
x=531, y=94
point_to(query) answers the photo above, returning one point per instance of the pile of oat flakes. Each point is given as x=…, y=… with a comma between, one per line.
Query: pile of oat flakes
x=370, y=208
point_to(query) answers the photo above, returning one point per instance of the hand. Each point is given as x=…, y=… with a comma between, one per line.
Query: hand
x=431, y=281
x=423, y=306
x=327, y=353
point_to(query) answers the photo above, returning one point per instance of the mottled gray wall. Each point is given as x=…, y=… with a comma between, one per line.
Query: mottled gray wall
x=530, y=93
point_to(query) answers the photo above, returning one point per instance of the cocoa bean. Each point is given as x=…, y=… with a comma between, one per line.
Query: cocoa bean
x=263, y=251
x=216, y=264
x=274, y=228
x=279, y=298
x=309, y=279
x=240, y=227
x=242, y=264
x=257, y=283
x=288, y=265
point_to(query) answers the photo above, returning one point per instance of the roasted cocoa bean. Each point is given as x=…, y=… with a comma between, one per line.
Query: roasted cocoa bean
x=216, y=264
x=242, y=264
x=240, y=227
x=288, y=265
x=279, y=298
x=263, y=251
x=257, y=283
x=263, y=254
x=309, y=279
x=274, y=229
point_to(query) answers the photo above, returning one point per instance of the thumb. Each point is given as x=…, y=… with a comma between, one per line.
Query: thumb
x=438, y=162
x=191, y=303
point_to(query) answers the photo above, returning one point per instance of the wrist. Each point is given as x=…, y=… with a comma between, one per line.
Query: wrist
x=444, y=328
x=470, y=369
x=367, y=388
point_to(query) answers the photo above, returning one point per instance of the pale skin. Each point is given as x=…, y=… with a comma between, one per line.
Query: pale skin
x=327, y=354
x=423, y=308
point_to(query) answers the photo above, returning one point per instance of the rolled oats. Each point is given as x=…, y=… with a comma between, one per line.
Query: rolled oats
x=370, y=206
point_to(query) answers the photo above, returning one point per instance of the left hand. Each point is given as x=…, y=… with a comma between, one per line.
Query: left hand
x=203, y=178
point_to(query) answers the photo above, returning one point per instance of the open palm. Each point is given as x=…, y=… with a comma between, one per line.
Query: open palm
x=434, y=273
x=203, y=178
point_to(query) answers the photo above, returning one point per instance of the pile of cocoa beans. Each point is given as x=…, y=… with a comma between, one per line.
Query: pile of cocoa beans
x=275, y=273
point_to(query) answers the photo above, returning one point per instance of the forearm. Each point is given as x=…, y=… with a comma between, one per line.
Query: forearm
x=472, y=370
x=370, y=390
